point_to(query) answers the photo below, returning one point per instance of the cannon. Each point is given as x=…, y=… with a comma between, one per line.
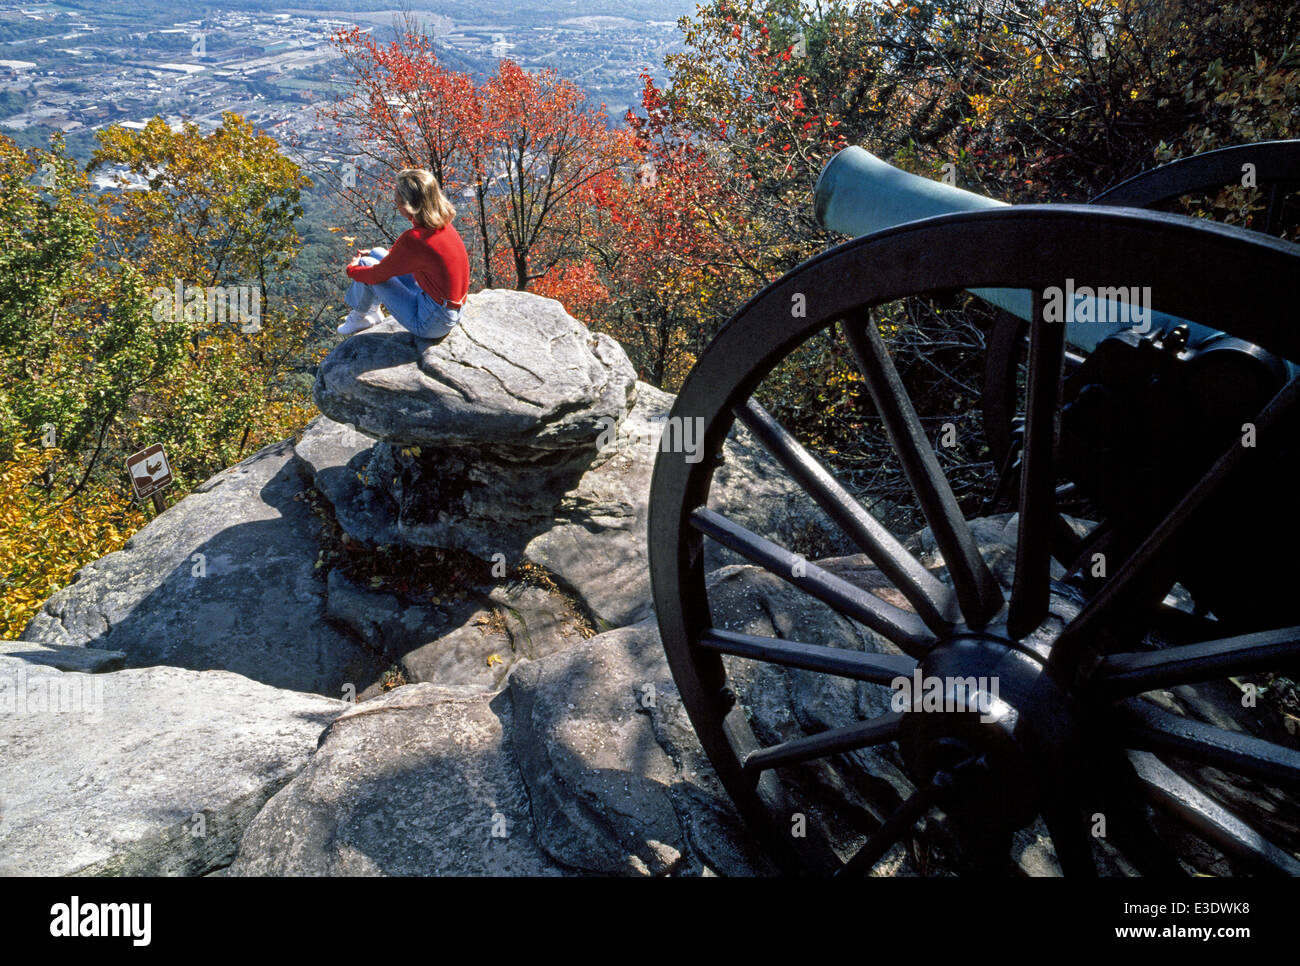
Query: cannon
x=1175, y=426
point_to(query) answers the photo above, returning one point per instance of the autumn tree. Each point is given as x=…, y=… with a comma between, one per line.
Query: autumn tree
x=221, y=205
x=77, y=341
x=522, y=151
x=218, y=217
x=1065, y=99
x=779, y=87
x=95, y=363
x=76, y=344
x=672, y=242
x=1027, y=101
x=553, y=152
x=402, y=110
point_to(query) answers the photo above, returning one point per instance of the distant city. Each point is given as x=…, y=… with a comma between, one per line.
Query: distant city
x=76, y=67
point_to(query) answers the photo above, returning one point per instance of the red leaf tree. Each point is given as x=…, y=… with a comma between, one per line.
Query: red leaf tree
x=522, y=154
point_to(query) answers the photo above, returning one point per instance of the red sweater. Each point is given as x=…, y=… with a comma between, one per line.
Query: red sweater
x=435, y=256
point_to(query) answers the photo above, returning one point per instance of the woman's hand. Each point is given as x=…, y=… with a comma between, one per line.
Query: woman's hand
x=356, y=259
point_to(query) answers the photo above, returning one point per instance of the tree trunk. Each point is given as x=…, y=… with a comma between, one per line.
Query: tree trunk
x=480, y=193
x=521, y=270
x=661, y=360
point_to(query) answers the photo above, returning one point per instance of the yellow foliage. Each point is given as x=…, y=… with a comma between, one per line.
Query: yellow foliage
x=43, y=541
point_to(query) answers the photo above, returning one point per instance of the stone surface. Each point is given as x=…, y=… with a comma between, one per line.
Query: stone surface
x=336, y=456
x=413, y=783
x=257, y=609
x=113, y=774
x=518, y=374
x=593, y=537
x=595, y=740
x=598, y=542
x=481, y=433
x=616, y=778
x=64, y=657
x=472, y=641
x=566, y=761
x=522, y=434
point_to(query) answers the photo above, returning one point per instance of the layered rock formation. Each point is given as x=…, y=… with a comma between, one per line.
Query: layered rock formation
x=522, y=435
x=224, y=579
x=482, y=432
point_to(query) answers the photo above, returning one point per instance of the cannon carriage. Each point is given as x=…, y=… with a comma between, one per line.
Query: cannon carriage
x=1150, y=459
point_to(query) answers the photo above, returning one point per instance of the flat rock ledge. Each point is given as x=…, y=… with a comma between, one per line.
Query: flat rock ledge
x=509, y=407
x=149, y=771
x=225, y=579
x=517, y=375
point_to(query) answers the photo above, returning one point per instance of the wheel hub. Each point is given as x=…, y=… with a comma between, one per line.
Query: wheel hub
x=984, y=718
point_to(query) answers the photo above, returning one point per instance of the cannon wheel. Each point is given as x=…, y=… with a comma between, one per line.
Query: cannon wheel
x=1277, y=174
x=1072, y=736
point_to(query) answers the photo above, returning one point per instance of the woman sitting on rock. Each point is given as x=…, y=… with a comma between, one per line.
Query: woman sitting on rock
x=424, y=279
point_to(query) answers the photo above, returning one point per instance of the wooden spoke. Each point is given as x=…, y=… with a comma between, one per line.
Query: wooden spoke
x=858, y=665
x=836, y=741
x=1175, y=795
x=1144, y=727
x=901, y=627
x=1030, y=592
x=932, y=599
x=978, y=593
x=1129, y=673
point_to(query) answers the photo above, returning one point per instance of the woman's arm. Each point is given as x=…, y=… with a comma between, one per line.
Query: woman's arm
x=400, y=260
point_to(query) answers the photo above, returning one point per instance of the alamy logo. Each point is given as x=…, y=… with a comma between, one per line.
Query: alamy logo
x=671, y=434
x=212, y=306
x=42, y=692
x=111, y=919
x=1114, y=305
x=929, y=693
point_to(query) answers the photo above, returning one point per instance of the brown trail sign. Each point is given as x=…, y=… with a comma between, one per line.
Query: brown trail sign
x=150, y=473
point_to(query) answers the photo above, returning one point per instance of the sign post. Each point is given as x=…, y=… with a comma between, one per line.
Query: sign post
x=150, y=474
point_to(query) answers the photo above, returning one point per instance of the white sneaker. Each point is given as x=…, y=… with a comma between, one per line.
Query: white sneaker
x=356, y=321
x=375, y=314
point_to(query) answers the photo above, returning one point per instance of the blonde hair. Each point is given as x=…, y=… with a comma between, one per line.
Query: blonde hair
x=421, y=198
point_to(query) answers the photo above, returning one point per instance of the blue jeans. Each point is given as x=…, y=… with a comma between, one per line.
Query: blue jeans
x=411, y=305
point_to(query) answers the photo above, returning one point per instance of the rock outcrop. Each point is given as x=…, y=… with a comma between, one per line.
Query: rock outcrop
x=64, y=657
x=522, y=435
x=151, y=771
x=229, y=578
x=516, y=380
x=411, y=783
x=474, y=641
x=225, y=579
x=484, y=431
x=521, y=438
x=586, y=764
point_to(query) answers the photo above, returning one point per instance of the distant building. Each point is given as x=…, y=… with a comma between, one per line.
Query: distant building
x=236, y=53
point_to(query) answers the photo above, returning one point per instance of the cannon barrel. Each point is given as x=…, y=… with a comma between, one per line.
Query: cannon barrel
x=859, y=194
